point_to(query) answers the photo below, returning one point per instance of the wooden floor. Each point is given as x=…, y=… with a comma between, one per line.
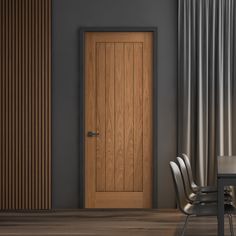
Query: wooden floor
x=106, y=222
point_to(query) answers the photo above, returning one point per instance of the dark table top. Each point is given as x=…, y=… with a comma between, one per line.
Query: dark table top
x=226, y=166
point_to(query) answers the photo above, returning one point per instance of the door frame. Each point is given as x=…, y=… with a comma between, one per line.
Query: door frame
x=81, y=147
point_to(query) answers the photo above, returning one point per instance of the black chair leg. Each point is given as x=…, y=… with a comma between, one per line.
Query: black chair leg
x=185, y=225
x=231, y=225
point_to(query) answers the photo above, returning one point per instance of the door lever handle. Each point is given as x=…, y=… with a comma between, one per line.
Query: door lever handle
x=93, y=133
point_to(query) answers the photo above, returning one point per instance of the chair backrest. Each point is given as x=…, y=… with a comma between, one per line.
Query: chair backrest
x=189, y=169
x=179, y=186
x=184, y=173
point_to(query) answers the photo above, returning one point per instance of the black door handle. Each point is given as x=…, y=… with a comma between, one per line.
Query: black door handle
x=93, y=133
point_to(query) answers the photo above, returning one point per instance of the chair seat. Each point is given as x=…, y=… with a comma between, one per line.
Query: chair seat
x=207, y=209
x=208, y=189
x=208, y=198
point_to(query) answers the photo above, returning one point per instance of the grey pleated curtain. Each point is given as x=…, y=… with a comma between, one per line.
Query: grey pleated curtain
x=206, y=83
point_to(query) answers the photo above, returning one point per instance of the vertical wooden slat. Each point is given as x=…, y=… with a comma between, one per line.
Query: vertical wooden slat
x=20, y=107
x=23, y=106
x=138, y=121
x=17, y=106
x=25, y=109
x=40, y=104
x=46, y=107
x=30, y=105
x=4, y=106
x=119, y=116
x=10, y=105
x=147, y=117
x=7, y=104
x=129, y=114
x=101, y=125
x=1, y=103
x=90, y=124
x=13, y=104
x=33, y=105
x=110, y=162
x=49, y=103
x=43, y=112
x=36, y=106
x=26, y=106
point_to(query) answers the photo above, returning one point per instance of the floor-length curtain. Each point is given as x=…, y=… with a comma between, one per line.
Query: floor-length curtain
x=206, y=83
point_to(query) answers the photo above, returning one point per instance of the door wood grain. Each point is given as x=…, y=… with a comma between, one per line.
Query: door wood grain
x=118, y=105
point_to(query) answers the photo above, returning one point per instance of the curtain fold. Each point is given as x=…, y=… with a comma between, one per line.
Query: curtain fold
x=206, y=83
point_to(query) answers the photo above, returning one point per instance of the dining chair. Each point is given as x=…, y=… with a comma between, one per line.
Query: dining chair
x=194, y=186
x=194, y=209
x=190, y=195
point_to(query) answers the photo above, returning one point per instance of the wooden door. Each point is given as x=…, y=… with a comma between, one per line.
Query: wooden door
x=118, y=110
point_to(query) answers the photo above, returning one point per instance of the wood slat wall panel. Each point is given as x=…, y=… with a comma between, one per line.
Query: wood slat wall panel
x=25, y=104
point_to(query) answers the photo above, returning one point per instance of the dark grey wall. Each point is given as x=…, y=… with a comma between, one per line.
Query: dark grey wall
x=68, y=17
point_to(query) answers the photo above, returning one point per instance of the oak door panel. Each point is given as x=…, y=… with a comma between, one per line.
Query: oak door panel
x=129, y=116
x=119, y=117
x=101, y=123
x=138, y=118
x=109, y=117
x=118, y=109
